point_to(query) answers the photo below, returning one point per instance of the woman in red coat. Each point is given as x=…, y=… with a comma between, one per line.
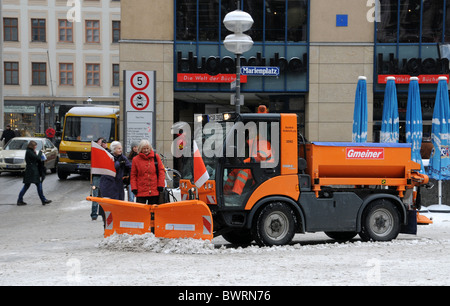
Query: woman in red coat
x=147, y=174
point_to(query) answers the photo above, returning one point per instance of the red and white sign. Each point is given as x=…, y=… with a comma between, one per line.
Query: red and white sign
x=140, y=91
x=139, y=102
x=364, y=153
x=404, y=79
x=140, y=80
x=109, y=220
x=207, y=225
x=206, y=78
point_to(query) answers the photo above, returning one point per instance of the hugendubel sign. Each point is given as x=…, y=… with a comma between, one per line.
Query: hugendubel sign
x=428, y=70
x=223, y=70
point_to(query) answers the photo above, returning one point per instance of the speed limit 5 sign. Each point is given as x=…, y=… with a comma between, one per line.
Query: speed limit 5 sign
x=139, y=101
x=140, y=91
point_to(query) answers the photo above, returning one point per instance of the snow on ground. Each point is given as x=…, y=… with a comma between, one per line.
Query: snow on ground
x=62, y=246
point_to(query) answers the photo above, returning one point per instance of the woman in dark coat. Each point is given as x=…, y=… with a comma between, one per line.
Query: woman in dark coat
x=112, y=187
x=32, y=173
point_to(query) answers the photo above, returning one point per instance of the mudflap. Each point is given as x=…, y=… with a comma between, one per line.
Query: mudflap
x=184, y=219
x=411, y=225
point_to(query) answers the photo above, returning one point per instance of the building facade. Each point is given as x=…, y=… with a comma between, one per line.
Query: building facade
x=61, y=52
x=54, y=53
x=320, y=58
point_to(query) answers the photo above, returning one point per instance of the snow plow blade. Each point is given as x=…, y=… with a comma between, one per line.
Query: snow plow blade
x=185, y=219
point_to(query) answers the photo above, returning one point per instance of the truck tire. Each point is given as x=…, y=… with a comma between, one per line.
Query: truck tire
x=274, y=225
x=62, y=175
x=380, y=222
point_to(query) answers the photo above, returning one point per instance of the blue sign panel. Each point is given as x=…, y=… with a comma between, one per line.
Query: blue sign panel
x=260, y=71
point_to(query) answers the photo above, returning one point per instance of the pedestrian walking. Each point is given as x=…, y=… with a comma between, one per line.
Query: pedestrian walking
x=33, y=173
x=147, y=174
x=112, y=187
x=7, y=134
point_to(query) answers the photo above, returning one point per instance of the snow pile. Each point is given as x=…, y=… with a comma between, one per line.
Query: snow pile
x=149, y=243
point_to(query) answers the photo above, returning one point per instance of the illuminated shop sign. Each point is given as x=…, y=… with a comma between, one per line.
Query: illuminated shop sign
x=428, y=70
x=405, y=78
x=222, y=70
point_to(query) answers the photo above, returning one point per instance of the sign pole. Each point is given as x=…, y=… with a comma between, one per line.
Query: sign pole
x=238, y=84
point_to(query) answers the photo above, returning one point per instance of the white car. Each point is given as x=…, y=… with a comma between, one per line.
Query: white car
x=12, y=157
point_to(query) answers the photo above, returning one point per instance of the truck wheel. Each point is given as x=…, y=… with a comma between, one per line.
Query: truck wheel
x=62, y=175
x=275, y=225
x=380, y=222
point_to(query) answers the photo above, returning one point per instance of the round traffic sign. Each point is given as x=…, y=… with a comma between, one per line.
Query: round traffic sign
x=139, y=80
x=139, y=101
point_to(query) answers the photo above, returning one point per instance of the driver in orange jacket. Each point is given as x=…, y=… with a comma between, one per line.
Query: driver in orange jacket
x=260, y=150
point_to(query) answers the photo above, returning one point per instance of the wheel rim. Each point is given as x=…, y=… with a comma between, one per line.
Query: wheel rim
x=381, y=222
x=276, y=225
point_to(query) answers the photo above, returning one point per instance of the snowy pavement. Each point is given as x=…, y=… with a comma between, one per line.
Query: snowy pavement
x=58, y=244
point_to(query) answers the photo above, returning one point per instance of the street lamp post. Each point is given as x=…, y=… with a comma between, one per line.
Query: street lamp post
x=238, y=22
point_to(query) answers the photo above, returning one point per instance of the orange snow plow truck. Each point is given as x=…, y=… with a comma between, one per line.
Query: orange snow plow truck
x=267, y=184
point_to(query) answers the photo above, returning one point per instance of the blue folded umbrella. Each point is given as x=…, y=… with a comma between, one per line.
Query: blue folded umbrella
x=414, y=126
x=390, y=120
x=439, y=166
x=359, y=133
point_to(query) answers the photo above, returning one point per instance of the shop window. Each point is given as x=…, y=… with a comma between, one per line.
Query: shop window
x=39, y=73
x=11, y=73
x=413, y=21
x=186, y=20
x=297, y=20
x=275, y=20
x=387, y=27
x=38, y=30
x=409, y=21
x=447, y=22
x=433, y=18
x=10, y=29
x=256, y=9
x=208, y=20
x=279, y=19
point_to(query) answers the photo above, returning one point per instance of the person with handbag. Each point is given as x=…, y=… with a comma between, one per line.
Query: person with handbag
x=33, y=173
x=147, y=176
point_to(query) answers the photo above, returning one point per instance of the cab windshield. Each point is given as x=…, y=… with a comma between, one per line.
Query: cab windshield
x=211, y=149
x=87, y=129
